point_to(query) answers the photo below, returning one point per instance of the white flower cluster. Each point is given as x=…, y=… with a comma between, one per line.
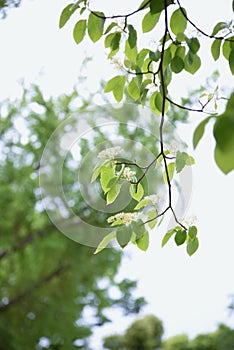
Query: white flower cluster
x=190, y=220
x=127, y=174
x=109, y=153
x=154, y=198
x=172, y=147
x=127, y=218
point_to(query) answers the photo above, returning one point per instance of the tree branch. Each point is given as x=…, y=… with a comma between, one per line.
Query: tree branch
x=47, y=278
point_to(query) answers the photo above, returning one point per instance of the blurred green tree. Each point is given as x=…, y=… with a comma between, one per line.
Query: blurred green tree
x=143, y=334
x=178, y=342
x=50, y=286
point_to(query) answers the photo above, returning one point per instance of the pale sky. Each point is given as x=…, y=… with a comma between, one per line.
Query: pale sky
x=190, y=295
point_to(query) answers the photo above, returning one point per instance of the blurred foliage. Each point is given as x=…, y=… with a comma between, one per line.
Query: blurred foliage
x=146, y=334
x=50, y=286
x=6, y=4
x=143, y=334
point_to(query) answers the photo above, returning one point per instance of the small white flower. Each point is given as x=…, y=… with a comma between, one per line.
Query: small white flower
x=109, y=153
x=189, y=220
x=172, y=147
x=127, y=174
x=127, y=218
x=154, y=198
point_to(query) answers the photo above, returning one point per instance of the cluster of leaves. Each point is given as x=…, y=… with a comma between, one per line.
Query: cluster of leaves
x=130, y=227
x=146, y=333
x=146, y=75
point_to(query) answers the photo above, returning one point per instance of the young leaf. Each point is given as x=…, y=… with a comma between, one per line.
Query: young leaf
x=219, y=26
x=192, y=63
x=192, y=246
x=66, y=14
x=226, y=49
x=183, y=159
x=79, y=31
x=192, y=232
x=132, y=37
x=215, y=49
x=180, y=237
x=136, y=191
x=112, y=194
x=167, y=236
x=149, y=21
x=141, y=57
x=143, y=242
x=133, y=89
x=107, y=173
x=116, y=85
x=123, y=236
x=95, y=25
x=104, y=242
x=231, y=60
x=170, y=169
x=150, y=216
x=178, y=22
x=199, y=131
x=177, y=64
x=111, y=26
x=138, y=228
x=193, y=44
x=142, y=204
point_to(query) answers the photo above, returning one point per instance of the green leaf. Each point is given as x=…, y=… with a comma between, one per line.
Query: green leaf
x=131, y=53
x=192, y=63
x=79, y=31
x=224, y=160
x=136, y=191
x=96, y=173
x=231, y=60
x=170, y=169
x=226, y=49
x=132, y=38
x=158, y=6
x=219, y=26
x=111, y=26
x=192, y=232
x=116, y=85
x=193, y=44
x=133, y=89
x=143, y=242
x=178, y=22
x=152, y=215
x=123, y=236
x=167, y=236
x=215, y=49
x=96, y=25
x=149, y=21
x=180, y=51
x=139, y=228
x=177, y=64
x=112, y=194
x=141, y=57
x=199, y=131
x=180, y=237
x=183, y=159
x=192, y=246
x=233, y=5
x=66, y=14
x=104, y=242
x=107, y=173
x=142, y=204
x=144, y=4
